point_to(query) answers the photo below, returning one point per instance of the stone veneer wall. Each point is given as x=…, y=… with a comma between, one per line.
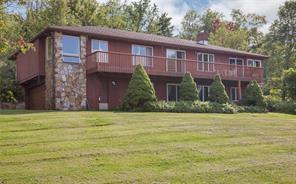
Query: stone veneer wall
x=69, y=79
x=49, y=82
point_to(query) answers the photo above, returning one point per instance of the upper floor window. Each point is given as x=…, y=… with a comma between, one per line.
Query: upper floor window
x=71, y=48
x=174, y=62
x=205, y=62
x=175, y=54
x=142, y=55
x=48, y=48
x=99, y=45
x=254, y=63
x=236, y=61
x=102, y=47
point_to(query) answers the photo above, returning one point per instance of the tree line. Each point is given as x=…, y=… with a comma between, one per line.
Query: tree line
x=21, y=20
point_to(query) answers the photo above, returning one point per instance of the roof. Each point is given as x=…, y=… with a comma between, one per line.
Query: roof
x=137, y=36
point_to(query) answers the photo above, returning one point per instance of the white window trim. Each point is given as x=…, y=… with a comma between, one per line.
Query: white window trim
x=184, y=51
x=94, y=50
x=205, y=62
x=235, y=94
x=243, y=61
x=203, y=53
x=47, y=57
x=133, y=45
x=176, y=50
x=146, y=46
x=70, y=54
x=203, y=86
x=253, y=63
x=167, y=90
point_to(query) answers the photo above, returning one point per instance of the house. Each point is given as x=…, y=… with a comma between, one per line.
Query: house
x=87, y=67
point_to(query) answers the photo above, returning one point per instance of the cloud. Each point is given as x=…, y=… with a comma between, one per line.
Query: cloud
x=175, y=9
x=267, y=8
x=178, y=8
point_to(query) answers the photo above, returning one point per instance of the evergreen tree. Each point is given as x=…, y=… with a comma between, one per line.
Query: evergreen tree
x=217, y=91
x=140, y=90
x=188, y=89
x=289, y=82
x=190, y=25
x=253, y=95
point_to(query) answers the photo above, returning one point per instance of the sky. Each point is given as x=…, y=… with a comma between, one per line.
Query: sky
x=177, y=8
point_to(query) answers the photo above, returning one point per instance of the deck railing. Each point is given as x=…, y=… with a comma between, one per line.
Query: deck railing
x=125, y=63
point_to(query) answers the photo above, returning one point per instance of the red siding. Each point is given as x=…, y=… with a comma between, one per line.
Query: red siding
x=31, y=64
x=35, y=97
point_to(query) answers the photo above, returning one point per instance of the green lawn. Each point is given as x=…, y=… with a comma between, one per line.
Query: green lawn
x=112, y=147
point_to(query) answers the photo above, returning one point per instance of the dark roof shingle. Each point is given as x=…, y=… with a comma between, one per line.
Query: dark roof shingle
x=156, y=39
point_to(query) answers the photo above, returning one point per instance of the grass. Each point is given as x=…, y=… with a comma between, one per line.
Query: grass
x=111, y=147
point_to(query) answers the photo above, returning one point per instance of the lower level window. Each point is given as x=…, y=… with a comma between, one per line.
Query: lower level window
x=173, y=92
x=233, y=93
x=204, y=92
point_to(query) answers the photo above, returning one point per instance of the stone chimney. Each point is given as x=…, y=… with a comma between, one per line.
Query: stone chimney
x=202, y=38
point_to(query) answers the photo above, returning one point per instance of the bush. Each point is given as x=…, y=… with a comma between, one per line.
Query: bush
x=286, y=107
x=289, y=83
x=187, y=106
x=217, y=92
x=140, y=90
x=188, y=89
x=251, y=109
x=271, y=102
x=253, y=95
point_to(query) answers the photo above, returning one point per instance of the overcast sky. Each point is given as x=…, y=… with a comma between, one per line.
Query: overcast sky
x=177, y=8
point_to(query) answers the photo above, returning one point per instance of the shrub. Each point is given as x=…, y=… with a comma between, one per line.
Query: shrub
x=289, y=82
x=188, y=89
x=286, y=107
x=140, y=90
x=271, y=101
x=217, y=92
x=253, y=95
x=189, y=107
x=251, y=109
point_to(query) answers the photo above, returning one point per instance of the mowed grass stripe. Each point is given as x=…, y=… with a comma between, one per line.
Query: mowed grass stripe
x=108, y=147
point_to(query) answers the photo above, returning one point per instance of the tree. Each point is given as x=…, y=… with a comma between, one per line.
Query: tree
x=140, y=90
x=236, y=39
x=281, y=40
x=289, y=83
x=164, y=26
x=253, y=95
x=190, y=25
x=217, y=91
x=242, y=33
x=251, y=23
x=208, y=18
x=188, y=89
x=84, y=11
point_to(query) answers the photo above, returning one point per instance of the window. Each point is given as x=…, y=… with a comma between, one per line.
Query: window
x=99, y=45
x=102, y=48
x=48, y=48
x=204, y=92
x=254, y=63
x=236, y=61
x=233, y=93
x=257, y=63
x=175, y=60
x=173, y=92
x=142, y=55
x=71, y=49
x=205, y=62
